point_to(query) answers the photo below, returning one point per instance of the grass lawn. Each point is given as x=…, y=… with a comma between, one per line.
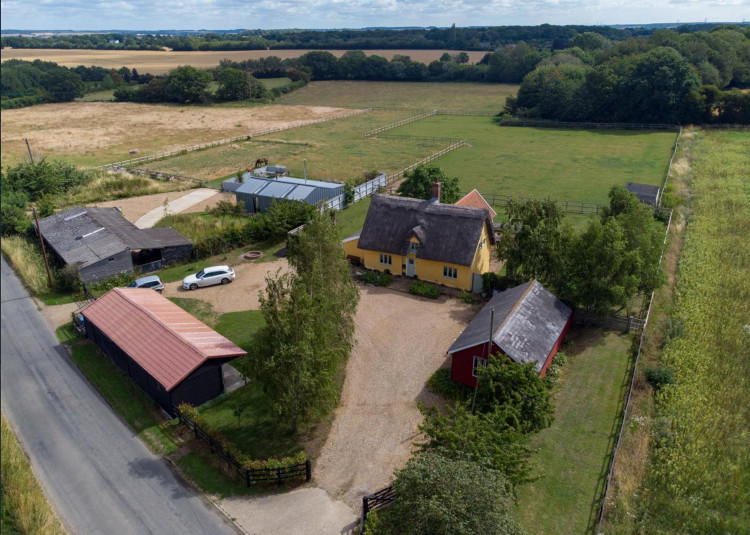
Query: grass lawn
x=334, y=150
x=106, y=95
x=273, y=83
x=240, y=327
x=422, y=95
x=573, y=454
x=575, y=165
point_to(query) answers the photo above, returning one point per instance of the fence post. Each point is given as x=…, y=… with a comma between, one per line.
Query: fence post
x=308, y=470
x=630, y=323
x=278, y=476
x=247, y=477
x=365, y=510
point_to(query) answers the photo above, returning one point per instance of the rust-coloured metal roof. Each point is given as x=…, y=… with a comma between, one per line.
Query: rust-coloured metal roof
x=161, y=337
x=475, y=200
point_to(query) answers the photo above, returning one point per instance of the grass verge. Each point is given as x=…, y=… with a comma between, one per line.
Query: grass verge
x=25, y=509
x=573, y=453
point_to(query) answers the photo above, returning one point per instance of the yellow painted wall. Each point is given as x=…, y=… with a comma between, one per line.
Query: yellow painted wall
x=427, y=270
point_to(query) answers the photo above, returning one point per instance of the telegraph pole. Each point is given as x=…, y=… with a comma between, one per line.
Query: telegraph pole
x=41, y=242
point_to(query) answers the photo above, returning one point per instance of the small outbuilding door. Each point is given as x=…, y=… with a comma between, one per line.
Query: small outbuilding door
x=476, y=286
x=410, y=267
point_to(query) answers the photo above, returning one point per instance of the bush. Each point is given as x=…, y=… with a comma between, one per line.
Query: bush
x=376, y=278
x=424, y=290
x=659, y=376
x=440, y=383
x=555, y=367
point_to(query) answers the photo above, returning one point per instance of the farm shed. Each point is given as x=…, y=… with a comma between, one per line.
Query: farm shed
x=646, y=193
x=257, y=194
x=102, y=243
x=528, y=326
x=171, y=355
x=441, y=243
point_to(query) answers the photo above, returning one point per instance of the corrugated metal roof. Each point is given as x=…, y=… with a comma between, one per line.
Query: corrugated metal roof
x=300, y=193
x=277, y=190
x=252, y=185
x=528, y=321
x=161, y=337
x=308, y=182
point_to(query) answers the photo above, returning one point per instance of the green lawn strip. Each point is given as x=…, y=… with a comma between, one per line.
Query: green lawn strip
x=240, y=327
x=351, y=219
x=197, y=308
x=422, y=95
x=567, y=165
x=54, y=297
x=202, y=470
x=123, y=395
x=273, y=83
x=334, y=150
x=573, y=454
x=106, y=95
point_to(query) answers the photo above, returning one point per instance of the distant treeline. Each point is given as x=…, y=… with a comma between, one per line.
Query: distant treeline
x=453, y=38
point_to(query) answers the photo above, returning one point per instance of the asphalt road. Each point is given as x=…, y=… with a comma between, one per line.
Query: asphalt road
x=99, y=476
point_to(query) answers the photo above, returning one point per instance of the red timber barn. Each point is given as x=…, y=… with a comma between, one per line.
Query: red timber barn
x=528, y=326
x=167, y=352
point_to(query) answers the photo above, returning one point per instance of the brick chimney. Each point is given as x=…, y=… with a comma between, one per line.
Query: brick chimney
x=435, y=192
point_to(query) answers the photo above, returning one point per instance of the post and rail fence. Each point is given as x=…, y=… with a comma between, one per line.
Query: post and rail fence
x=373, y=501
x=250, y=475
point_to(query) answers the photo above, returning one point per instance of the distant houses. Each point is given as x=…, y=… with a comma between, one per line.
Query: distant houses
x=528, y=325
x=440, y=243
x=101, y=243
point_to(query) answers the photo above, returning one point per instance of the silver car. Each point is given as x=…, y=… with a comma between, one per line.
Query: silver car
x=208, y=277
x=152, y=281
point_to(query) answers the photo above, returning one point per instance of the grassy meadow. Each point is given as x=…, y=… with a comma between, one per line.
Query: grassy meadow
x=573, y=454
x=421, y=95
x=698, y=476
x=334, y=150
x=574, y=165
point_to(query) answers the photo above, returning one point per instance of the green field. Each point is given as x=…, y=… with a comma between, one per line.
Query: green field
x=572, y=165
x=334, y=150
x=698, y=478
x=106, y=95
x=573, y=454
x=422, y=95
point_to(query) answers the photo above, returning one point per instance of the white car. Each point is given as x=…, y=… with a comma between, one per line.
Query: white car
x=208, y=277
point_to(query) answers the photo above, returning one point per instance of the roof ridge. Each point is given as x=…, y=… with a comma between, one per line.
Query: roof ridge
x=172, y=333
x=520, y=300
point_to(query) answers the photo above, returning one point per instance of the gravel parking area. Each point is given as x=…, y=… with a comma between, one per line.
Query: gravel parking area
x=401, y=340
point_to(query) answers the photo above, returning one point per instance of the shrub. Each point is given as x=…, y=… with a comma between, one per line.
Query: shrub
x=376, y=278
x=555, y=367
x=659, y=376
x=424, y=290
x=440, y=383
x=224, y=208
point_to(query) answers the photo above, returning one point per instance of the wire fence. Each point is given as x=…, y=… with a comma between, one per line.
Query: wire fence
x=601, y=126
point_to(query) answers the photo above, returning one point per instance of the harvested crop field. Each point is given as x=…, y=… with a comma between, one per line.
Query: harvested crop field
x=95, y=133
x=161, y=62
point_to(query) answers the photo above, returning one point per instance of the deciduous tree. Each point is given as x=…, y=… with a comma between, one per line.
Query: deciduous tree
x=418, y=184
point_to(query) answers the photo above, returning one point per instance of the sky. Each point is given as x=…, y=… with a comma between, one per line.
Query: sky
x=152, y=15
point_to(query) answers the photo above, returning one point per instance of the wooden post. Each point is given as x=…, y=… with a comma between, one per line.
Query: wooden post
x=247, y=477
x=630, y=323
x=44, y=252
x=31, y=157
x=308, y=470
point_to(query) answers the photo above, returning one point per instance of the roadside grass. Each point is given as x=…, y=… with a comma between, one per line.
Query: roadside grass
x=698, y=474
x=422, y=95
x=106, y=95
x=109, y=186
x=573, y=453
x=574, y=165
x=25, y=509
x=26, y=258
x=333, y=150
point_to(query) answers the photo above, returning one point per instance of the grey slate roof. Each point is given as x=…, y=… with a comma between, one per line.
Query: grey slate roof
x=646, y=193
x=87, y=235
x=446, y=233
x=528, y=322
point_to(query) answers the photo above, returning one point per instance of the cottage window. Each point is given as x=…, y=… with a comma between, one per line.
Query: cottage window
x=386, y=259
x=413, y=246
x=478, y=362
x=450, y=272
x=482, y=243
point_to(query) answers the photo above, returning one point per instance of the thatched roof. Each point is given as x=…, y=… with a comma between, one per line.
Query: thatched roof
x=446, y=233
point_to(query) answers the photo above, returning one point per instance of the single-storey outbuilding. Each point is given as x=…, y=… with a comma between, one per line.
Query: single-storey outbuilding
x=171, y=355
x=102, y=243
x=646, y=193
x=528, y=326
x=258, y=193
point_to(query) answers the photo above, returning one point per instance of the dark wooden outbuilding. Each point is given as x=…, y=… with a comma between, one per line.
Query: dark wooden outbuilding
x=171, y=355
x=528, y=326
x=646, y=193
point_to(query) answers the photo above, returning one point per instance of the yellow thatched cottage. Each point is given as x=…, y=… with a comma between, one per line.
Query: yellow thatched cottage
x=441, y=243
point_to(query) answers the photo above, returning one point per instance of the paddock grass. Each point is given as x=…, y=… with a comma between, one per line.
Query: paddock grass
x=422, y=95
x=25, y=509
x=573, y=453
x=273, y=83
x=106, y=95
x=698, y=475
x=577, y=165
x=334, y=150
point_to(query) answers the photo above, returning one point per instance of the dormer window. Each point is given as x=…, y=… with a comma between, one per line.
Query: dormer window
x=413, y=246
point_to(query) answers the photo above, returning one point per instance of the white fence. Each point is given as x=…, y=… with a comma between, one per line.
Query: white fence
x=360, y=192
x=400, y=123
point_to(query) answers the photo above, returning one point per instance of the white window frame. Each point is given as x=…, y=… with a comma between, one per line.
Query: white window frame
x=386, y=259
x=450, y=272
x=413, y=246
x=476, y=363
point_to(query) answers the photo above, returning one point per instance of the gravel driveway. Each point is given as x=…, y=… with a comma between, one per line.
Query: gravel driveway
x=401, y=340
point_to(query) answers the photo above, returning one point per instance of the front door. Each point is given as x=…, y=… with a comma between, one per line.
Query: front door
x=410, y=267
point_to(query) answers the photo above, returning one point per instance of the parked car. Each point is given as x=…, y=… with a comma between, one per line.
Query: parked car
x=208, y=277
x=152, y=281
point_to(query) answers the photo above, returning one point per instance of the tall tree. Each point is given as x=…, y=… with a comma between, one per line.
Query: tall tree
x=187, y=85
x=309, y=329
x=418, y=184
